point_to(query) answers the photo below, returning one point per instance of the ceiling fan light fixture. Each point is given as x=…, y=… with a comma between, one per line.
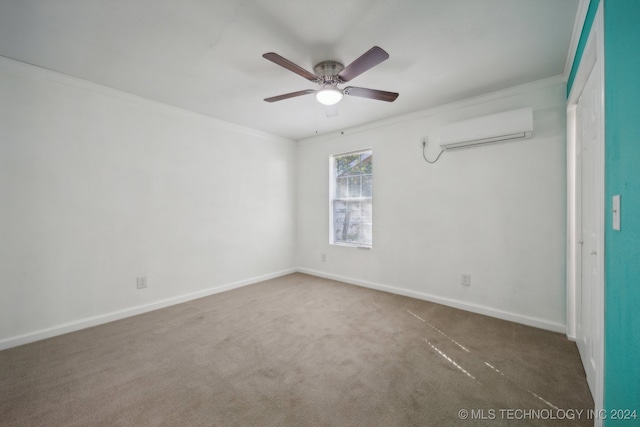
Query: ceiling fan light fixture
x=329, y=95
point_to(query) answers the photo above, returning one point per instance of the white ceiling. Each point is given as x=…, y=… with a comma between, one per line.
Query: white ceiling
x=206, y=55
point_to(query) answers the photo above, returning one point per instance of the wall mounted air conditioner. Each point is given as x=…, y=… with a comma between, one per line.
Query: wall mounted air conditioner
x=502, y=127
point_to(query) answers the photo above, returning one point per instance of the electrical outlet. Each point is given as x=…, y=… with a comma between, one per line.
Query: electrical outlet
x=141, y=282
x=323, y=258
x=465, y=279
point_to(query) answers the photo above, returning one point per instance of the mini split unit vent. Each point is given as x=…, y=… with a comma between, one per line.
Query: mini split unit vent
x=502, y=127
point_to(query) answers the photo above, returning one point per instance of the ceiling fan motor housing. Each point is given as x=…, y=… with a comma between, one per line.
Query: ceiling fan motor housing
x=328, y=72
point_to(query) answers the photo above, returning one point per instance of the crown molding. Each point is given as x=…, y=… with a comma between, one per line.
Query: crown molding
x=422, y=114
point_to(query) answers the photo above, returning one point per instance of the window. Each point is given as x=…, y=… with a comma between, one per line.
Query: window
x=351, y=199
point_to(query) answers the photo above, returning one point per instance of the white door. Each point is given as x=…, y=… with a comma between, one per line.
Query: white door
x=590, y=209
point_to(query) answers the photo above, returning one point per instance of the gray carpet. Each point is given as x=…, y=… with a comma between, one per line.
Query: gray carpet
x=296, y=351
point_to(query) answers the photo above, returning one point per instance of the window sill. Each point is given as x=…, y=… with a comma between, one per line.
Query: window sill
x=352, y=245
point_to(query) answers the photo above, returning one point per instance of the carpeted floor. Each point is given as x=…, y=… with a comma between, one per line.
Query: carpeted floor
x=297, y=351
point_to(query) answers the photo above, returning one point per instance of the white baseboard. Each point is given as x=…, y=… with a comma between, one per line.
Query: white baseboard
x=128, y=312
x=121, y=314
x=474, y=308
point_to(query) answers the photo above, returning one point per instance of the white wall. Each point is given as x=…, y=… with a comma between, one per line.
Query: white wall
x=98, y=187
x=496, y=212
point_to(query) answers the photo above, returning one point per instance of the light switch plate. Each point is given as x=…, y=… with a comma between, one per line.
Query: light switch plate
x=615, y=209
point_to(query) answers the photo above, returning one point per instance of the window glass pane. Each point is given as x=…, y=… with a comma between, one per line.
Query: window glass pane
x=351, y=213
x=353, y=234
x=340, y=221
x=354, y=212
x=353, y=164
x=365, y=211
x=352, y=222
x=341, y=188
x=366, y=234
x=366, y=186
x=354, y=187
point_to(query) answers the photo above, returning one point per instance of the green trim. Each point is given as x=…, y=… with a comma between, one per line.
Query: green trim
x=588, y=22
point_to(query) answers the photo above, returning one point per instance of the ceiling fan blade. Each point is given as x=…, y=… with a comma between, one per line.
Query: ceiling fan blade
x=368, y=60
x=362, y=92
x=283, y=62
x=290, y=95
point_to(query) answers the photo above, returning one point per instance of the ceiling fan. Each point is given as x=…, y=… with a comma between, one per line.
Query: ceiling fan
x=331, y=74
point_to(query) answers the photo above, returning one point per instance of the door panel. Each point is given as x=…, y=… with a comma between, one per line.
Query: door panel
x=589, y=161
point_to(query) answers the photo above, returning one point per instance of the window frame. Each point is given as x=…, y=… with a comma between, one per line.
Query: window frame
x=332, y=199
